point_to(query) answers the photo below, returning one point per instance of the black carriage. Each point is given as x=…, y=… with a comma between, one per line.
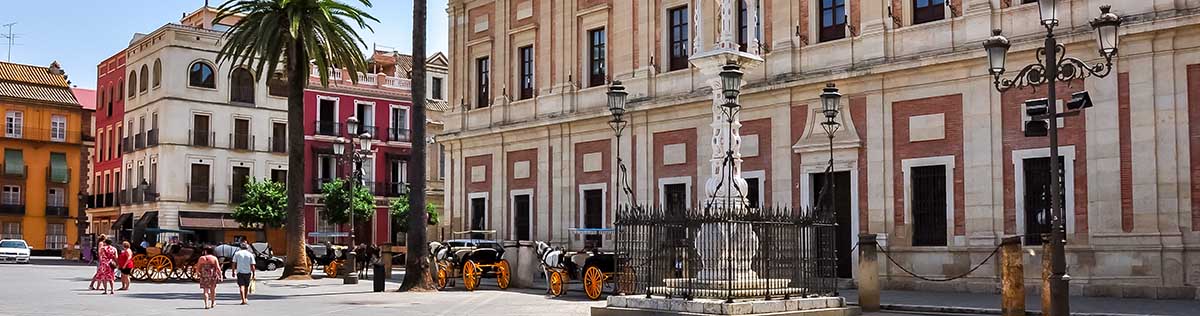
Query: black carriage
x=472, y=259
x=599, y=268
x=330, y=257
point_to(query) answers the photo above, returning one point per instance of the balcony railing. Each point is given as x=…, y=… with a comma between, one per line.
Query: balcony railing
x=277, y=145
x=152, y=138
x=371, y=130
x=13, y=174
x=388, y=189
x=125, y=197
x=137, y=196
x=149, y=194
x=338, y=76
x=241, y=141
x=236, y=195
x=202, y=138
x=12, y=209
x=50, y=175
x=127, y=145
x=139, y=141
x=46, y=134
x=202, y=193
x=398, y=135
x=318, y=182
x=328, y=128
x=58, y=211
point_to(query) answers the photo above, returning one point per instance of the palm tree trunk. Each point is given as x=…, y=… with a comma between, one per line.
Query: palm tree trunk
x=297, y=264
x=417, y=274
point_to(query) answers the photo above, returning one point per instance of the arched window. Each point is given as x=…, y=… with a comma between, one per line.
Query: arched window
x=201, y=75
x=132, y=83
x=157, y=73
x=242, y=86
x=114, y=93
x=145, y=84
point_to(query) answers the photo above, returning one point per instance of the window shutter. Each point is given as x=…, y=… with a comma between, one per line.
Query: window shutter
x=14, y=162
x=58, y=168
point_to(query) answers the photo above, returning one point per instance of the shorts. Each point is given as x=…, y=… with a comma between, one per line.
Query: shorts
x=126, y=271
x=243, y=279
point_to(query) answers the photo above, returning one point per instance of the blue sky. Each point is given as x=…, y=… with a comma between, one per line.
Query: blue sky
x=81, y=33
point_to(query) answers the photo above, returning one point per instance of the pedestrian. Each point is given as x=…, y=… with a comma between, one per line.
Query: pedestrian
x=125, y=262
x=108, y=266
x=96, y=276
x=210, y=275
x=244, y=260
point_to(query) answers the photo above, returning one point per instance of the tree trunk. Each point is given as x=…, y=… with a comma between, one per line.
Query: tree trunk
x=297, y=265
x=417, y=276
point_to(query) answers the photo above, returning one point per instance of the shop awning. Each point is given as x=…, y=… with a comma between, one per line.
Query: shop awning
x=201, y=220
x=59, y=173
x=125, y=221
x=148, y=220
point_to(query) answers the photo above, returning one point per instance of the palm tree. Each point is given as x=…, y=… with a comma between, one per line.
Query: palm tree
x=417, y=274
x=268, y=33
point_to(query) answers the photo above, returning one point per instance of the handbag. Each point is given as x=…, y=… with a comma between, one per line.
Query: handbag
x=251, y=288
x=112, y=265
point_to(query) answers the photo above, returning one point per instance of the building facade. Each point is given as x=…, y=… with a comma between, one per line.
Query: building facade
x=104, y=207
x=930, y=157
x=44, y=140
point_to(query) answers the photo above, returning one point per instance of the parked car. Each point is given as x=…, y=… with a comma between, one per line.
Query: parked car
x=14, y=250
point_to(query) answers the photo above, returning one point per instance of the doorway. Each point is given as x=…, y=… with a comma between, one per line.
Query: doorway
x=675, y=199
x=1037, y=197
x=521, y=207
x=478, y=216
x=841, y=203
x=593, y=215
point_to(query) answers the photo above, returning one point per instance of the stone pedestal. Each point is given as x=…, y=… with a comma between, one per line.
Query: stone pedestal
x=640, y=305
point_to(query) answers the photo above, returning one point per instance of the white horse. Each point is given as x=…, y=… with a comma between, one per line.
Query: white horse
x=438, y=250
x=551, y=258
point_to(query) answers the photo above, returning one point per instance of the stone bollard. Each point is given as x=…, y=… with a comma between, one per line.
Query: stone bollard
x=385, y=255
x=868, y=273
x=1012, y=277
x=1046, y=276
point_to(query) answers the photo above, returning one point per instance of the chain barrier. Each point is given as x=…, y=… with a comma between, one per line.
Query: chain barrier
x=906, y=270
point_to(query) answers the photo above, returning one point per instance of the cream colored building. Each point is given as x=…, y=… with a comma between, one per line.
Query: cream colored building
x=919, y=106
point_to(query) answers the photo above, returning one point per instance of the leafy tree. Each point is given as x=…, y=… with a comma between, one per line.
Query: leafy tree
x=265, y=205
x=399, y=208
x=269, y=33
x=341, y=200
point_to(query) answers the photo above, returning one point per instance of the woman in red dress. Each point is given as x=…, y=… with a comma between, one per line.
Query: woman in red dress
x=210, y=274
x=125, y=264
x=96, y=276
x=106, y=274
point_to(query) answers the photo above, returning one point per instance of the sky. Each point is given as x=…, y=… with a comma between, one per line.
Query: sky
x=79, y=34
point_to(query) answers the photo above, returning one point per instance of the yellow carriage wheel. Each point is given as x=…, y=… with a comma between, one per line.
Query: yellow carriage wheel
x=159, y=268
x=443, y=277
x=331, y=269
x=593, y=282
x=503, y=274
x=558, y=280
x=471, y=274
x=139, y=267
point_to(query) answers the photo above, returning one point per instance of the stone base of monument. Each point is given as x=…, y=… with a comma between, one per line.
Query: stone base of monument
x=692, y=287
x=639, y=305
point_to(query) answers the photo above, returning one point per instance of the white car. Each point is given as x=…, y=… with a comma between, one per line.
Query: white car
x=14, y=250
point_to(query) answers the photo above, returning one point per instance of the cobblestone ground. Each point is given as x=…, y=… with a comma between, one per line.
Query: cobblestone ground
x=55, y=287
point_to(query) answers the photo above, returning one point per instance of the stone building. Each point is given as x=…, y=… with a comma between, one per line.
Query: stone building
x=930, y=157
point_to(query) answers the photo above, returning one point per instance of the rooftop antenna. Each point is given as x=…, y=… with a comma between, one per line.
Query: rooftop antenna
x=10, y=36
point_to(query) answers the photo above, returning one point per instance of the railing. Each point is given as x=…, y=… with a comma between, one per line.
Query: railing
x=372, y=130
x=328, y=128
x=237, y=195
x=337, y=75
x=277, y=145
x=201, y=193
x=138, y=196
x=367, y=78
x=13, y=174
x=318, y=182
x=12, y=209
x=50, y=175
x=125, y=197
x=126, y=145
x=152, y=138
x=398, y=135
x=58, y=211
x=46, y=134
x=139, y=141
x=241, y=141
x=388, y=189
x=150, y=194
x=396, y=82
x=206, y=139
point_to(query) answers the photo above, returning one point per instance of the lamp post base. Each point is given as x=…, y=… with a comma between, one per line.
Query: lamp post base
x=351, y=269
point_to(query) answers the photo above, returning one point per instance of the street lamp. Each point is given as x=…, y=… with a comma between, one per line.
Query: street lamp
x=1053, y=65
x=616, y=107
x=355, y=157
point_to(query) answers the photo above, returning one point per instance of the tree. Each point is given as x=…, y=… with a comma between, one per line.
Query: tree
x=400, y=207
x=418, y=276
x=341, y=200
x=265, y=205
x=293, y=33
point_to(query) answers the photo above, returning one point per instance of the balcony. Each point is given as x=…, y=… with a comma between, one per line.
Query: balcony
x=149, y=194
x=58, y=211
x=236, y=195
x=12, y=209
x=202, y=138
x=139, y=141
x=241, y=141
x=328, y=128
x=318, y=182
x=19, y=173
x=388, y=189
x=137, y=196
x=47, y=135
x=202, y=193
x=371, y=130
x=377, y=80
x=277, y=145
x=398, y=135
x=125, y=197
x=50, y=175
x=152, y=138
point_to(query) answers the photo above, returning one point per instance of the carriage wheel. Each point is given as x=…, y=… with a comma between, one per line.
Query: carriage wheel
x=331, y=269
x=139, y=267
x=557, y=280
x=443, y=277
x=503, y=274
x=159, y=268
x=471, y=274
x=189, y=272
x=593, y=282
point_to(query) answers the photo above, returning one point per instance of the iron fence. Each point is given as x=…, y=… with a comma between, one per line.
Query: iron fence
x=760, y=253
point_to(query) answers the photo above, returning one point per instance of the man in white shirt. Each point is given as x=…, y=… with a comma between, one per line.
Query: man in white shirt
x=244, y=260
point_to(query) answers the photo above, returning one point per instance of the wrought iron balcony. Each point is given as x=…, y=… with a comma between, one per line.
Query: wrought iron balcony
x=202, y=138
x=328, y=128
x=202, y=193
x=58, y=211
x=12, y=209
x=50, y=175
x=139, y=141
x=277, y=145
x=152, y=138
x=18, y=173
x=318, y=182
x=127, y=145
x=389, y=189
x=236, y=195
x=398, y=135
x=241, y=141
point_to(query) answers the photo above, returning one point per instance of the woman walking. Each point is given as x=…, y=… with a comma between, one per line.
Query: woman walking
x=125, y=263
x=108, y=266
x=210, y=275
x=96, y=277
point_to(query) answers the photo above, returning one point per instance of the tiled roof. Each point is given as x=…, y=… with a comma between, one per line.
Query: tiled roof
x=86, y=97
x=438, y=105
x=34, y=83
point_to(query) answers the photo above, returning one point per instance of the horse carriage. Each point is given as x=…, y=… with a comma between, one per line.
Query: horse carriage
x=471, y=259
x=331, y=258
x=598, y=265
x=174, y=260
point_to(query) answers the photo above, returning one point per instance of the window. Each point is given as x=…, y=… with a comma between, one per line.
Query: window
x=279, y=175
x=277, y=85
x=399, y=129
x=11, y=195
x=324, y=226
x=482, y=98
x=441, y=161
x=56, y=236
x=241, y=134
x=753, y=192
x=56, y=198
x=111, y=95
x=157, y=73
x=200, y=75
x=153, y=176
x=522, y=205
x=436, y=85
x=58, y=128
x=597, y=42
x=399, y=175
x=365, y=111
x=744, y=25
x=237, y=193
x=678, y=33
x=199, y=189
x=325, y=170
x=526, y=55
x=14, y=122
x=1037, y=196
x=279, y=137
x=327, y=122
x=242, y=86
x=145, y=80
x=12, y=230
x=928, y=10
x=833, y=20
x=132, y=84
x=100, y=146
x=59, y=170
x=593, y=214
x=14, y=162
x=928, y=204
x=200, y=134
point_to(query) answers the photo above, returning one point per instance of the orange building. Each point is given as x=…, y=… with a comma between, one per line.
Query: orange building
x=43, y=142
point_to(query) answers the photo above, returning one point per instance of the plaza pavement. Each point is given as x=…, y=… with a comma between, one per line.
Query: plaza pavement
x=977, y=303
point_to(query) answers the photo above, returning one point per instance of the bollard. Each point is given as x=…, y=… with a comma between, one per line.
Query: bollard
x=1012, y=277
x=379, y=277
x=1046, y=277
x=385, y=256
x=868, y=273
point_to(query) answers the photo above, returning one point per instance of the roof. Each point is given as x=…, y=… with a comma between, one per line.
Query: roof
x=35, y=83
x=86, y=97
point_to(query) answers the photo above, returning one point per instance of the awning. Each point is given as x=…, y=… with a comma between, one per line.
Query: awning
x=148, y=220
x=202, y=220
x=58, y=168
x=124, y=221
x=14, y=162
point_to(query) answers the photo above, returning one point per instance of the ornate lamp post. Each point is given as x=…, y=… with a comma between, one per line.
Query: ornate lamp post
x=831, y=101
x=616, y=107
x=355, y=158
x=1053, y=65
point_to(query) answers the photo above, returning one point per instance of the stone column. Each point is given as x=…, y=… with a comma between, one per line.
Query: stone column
x=1012, y=278
x=868, y=273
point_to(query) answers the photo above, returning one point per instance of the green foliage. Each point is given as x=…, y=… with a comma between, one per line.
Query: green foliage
x=341, y=200
x=400, y=208
x=265, y=205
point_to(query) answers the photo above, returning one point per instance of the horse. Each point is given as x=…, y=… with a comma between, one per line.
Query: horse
x=550, y=258
x=365, y=256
